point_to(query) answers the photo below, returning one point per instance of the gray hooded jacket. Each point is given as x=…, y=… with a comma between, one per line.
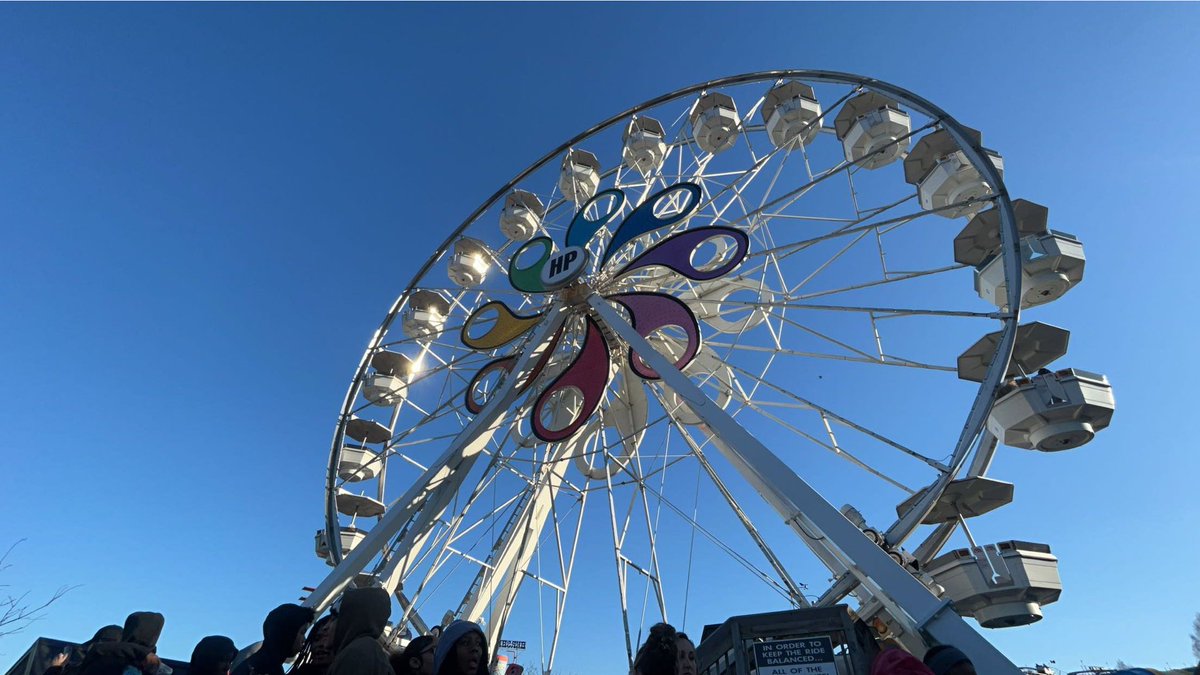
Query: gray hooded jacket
x=361, y=620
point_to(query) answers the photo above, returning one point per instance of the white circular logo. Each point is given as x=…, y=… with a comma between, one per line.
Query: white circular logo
x=564, y=267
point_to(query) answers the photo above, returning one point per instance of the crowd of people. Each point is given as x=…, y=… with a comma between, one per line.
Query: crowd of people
x=348, y=641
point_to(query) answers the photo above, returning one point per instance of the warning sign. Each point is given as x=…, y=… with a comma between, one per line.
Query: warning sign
x=799, y=656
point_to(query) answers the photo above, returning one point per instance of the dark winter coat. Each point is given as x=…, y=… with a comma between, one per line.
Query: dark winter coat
x=279, y=640
x=107, y=634
x=363, y=615
x=138, y=640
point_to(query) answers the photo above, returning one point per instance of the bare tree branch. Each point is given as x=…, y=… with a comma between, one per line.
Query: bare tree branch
x=16, y=611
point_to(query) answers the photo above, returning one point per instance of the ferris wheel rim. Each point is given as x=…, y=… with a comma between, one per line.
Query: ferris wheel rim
x=424, y=272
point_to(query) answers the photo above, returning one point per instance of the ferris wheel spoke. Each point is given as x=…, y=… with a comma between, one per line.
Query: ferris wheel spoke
x=787, y=199
x=818, y=334
x=422, y=341
x=908, y=276
x=440, y=545
x=843, y=420
x=745, y=128
x=446, y=408
x=885, y=360
x=872, y=360
x=652, y=527
x=792, y=590
x=848, y=228
x=725, y=548
x=881, y=312
x=832, y=446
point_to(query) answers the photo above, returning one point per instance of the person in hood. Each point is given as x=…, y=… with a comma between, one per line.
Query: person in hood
x=133, y=653
x=898, y=662
x=361, y=619
x=283, y=636
x=213, y=656
x=417, y=657
x=461, y=650
x=70, y=661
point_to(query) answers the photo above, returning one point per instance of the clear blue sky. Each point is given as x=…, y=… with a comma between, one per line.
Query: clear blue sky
x=207, y=209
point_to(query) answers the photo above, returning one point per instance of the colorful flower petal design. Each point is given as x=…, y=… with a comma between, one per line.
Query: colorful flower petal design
x=565, y=405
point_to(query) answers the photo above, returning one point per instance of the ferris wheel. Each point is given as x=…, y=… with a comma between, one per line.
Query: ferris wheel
x=685, y=335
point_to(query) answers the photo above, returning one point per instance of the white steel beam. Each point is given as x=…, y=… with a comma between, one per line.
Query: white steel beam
x=450, y=468
x=804, y=509
x=515, y=550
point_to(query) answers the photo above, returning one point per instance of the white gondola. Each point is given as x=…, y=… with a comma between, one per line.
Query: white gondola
x=1037, y=346
x=580, y=176
x=1052, y=263
x=644, y=145
x=1052, y=410
x=424, y=315
x=367, y=431
x=715, y=122
x=979, y=240
x=358, y=463
x=521, y=215
x=359, y=506
x=944, y=176
x=350, y=537
x=963, y=498
x=1000, y=585
x=321, y=546
x=791, y=113
x=873, y=130
x=470, y=262
x=385, y=387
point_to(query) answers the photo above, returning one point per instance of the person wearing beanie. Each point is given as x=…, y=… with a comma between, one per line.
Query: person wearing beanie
x=947, y=660
x=361, y=619
x=213, y=655
x=134, y=650
x=461, y=650
x=898, y=662
x=283, y=636
x=417, y=657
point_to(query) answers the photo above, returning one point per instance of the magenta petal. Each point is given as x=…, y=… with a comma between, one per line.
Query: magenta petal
x=588, y=373
x=652, y=311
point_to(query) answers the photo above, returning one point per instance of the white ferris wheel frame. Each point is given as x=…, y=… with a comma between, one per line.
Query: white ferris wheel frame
x=860, y=564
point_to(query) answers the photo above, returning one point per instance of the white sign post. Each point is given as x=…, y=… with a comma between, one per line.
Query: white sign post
x=797, y=656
